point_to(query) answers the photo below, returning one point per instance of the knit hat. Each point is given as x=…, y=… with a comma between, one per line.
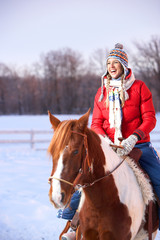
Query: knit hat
x=120, y=55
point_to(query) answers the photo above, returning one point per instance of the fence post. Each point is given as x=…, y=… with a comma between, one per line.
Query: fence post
x=32, y=139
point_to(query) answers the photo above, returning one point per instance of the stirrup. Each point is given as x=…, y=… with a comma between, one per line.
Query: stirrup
x=69, y=236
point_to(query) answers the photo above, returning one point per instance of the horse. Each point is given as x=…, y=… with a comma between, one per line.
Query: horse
x=112, y=206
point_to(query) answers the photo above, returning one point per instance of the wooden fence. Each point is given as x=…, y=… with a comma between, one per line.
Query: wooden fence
x=44, y=137
x=27, y=136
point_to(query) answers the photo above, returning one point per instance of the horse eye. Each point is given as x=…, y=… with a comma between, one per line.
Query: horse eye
x=75, y=152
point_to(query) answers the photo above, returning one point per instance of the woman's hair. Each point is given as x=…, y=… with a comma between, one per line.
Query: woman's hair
x=107, y=89
x=122, y=98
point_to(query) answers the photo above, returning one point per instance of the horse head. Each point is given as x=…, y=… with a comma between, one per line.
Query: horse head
x=67, y=149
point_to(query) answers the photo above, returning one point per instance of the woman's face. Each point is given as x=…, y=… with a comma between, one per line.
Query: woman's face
x=114, y=68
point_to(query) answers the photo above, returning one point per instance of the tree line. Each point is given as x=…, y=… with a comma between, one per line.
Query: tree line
x=64, y=83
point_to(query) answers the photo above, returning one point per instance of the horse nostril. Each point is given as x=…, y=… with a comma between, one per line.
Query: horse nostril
x=62, y=196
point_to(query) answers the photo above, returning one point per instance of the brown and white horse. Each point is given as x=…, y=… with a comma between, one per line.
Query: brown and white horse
x=111, y=207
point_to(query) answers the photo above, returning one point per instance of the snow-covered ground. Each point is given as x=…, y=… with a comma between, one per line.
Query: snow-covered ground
x=25, y=210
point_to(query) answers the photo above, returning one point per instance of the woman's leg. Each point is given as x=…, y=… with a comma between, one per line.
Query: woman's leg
x=69, y=212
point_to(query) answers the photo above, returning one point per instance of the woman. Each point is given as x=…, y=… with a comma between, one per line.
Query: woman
x=123, y=107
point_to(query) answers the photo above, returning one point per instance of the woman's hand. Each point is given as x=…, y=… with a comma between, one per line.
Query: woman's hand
x=128, y=144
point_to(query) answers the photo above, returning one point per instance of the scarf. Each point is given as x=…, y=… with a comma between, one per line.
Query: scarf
x=115, y=109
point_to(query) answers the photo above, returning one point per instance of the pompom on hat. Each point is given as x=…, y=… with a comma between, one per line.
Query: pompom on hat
x=120, y=55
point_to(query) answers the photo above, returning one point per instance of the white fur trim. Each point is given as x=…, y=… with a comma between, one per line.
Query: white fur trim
x=144, y=183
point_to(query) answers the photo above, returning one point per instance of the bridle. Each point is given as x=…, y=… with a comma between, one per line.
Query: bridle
x=75, y=184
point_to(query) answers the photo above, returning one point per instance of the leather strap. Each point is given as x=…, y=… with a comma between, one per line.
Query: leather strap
x=65, y=230
x=75, y=221
x=150, y=220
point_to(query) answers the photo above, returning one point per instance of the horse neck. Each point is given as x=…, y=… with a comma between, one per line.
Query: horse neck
x=101, y=154
x=105, y=160
x=102, y=159
x=96, y=155
x=111, y=158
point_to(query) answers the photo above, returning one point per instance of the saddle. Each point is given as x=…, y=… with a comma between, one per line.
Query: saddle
x=151, y=211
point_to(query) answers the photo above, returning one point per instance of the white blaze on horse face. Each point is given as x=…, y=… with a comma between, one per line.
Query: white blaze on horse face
x=56, y=187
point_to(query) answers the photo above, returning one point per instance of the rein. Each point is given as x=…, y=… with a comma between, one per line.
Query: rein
x=108, y=174
x=59, y=179
x=78, y=186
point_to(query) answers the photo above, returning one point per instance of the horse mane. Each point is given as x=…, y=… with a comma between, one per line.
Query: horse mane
x=95, y=152
x=61, y=138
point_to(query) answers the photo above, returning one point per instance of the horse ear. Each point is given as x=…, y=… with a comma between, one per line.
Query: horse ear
x=53, y=120
x=83, y=121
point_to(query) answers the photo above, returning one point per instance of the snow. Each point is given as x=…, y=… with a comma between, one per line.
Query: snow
x=25, y=210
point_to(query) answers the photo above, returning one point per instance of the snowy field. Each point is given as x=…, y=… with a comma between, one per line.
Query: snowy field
x=25, y=210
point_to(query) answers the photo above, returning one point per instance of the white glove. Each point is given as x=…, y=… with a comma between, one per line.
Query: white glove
x=128, y=144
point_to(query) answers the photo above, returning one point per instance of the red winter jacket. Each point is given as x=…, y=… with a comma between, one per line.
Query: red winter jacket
x=138, y=114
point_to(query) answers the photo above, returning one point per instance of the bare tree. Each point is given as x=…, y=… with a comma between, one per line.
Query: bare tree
x=97, y=63
x=8, y=90
x=147, y=66
x=60, y=71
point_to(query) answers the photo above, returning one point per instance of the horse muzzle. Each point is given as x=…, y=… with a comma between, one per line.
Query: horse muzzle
x=57, y=198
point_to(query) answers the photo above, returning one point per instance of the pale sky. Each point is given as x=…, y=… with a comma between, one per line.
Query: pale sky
x=29, y=28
